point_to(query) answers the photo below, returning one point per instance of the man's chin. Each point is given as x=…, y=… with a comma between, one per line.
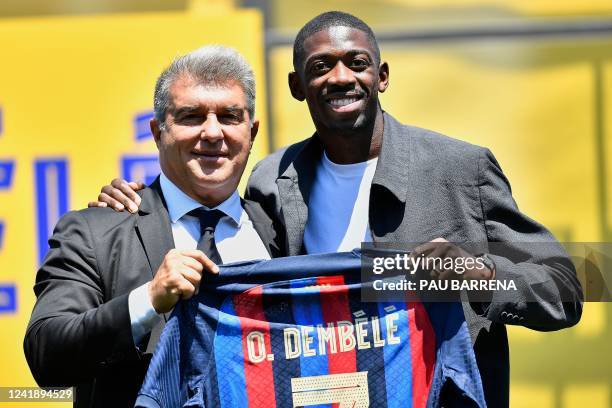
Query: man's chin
x=209, y=183
x=212, y=192
x=347, y=124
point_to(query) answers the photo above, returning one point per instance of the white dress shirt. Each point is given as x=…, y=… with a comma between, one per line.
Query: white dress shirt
x=235, y=238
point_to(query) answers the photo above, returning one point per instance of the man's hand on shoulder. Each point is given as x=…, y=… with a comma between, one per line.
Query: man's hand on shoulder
x=178, y=277
x=119, y=195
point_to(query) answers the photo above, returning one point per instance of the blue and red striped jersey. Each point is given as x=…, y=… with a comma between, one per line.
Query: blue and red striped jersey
x=294, y=332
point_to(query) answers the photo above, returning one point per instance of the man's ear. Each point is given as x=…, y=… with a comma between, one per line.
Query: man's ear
x=254, y=130
x=296, y=87
x=155, y=130
x=383, y=76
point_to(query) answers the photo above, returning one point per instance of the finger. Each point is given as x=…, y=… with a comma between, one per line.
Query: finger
x=132, y=200
x=186, y=289
x=116, y=205
x=116, y=183
x=203, y=259
x=100, y=204
x=428, y=246
x=192, y=263
x=120, y=196
x=438, y=251
x=114, y=192
x=137, y=185
x=123, y=192
x=190, y=275
x=440, y=247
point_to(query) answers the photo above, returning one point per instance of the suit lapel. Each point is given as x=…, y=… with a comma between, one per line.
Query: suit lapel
x=294, y=193
x=393, y=173
x=153, y=226
x=395, y=159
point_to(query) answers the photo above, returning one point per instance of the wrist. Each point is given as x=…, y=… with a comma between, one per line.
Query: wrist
x=152, y=297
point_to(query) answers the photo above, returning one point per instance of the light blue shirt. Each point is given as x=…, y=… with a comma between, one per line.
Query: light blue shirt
x=235, y=238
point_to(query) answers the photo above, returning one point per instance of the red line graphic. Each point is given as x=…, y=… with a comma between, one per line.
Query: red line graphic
x=259, y=377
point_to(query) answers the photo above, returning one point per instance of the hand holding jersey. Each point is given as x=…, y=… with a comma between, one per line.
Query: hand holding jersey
x=178, y=277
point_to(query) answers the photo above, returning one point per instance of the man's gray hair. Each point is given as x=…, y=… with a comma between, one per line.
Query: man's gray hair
x=213, y=65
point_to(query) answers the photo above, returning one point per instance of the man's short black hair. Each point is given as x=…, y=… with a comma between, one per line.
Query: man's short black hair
x=325, y=21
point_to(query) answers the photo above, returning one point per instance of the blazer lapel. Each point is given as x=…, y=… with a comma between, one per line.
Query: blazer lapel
x=395, y=160
x=393, y=173
x=153, y=226
x=294, y=193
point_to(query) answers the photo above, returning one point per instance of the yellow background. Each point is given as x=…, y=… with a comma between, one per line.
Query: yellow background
x=70, y=86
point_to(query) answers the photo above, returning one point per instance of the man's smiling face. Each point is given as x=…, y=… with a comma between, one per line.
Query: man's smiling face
x=206, y=140
x=340, y=79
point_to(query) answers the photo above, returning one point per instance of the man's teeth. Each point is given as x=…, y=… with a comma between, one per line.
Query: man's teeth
x=337, y=103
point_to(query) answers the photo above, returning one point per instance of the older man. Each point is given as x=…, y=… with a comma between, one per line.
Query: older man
x=109, y=277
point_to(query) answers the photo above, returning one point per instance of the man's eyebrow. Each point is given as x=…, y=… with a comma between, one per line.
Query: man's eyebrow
x=234, y=109
x=185, y=109
x=351, y=53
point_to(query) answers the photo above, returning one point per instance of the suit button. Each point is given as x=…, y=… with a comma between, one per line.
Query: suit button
x=504, y=315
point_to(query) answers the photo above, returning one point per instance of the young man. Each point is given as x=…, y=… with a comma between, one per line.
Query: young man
x=363, y=176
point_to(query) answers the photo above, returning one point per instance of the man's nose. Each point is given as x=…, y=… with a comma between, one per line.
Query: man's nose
x=211, y=129
x=341, y=75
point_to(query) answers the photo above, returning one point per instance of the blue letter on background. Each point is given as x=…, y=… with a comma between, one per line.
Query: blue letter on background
x=6, y=173
x=51, y=181
x=6, y=179
x=140, y=168
x=1, y=234
x=142, y=130
x=8, y=298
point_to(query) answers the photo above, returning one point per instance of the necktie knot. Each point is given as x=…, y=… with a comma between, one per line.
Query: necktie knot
x=208, y=222
x=208, y=218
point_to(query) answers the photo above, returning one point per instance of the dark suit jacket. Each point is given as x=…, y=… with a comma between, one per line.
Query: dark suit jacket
x=80, y=331
x=426, y=186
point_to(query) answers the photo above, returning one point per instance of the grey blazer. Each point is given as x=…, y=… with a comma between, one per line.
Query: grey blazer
x=80, y=331
x=426, y=186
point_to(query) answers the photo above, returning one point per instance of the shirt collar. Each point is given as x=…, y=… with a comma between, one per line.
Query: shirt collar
x=180, y=203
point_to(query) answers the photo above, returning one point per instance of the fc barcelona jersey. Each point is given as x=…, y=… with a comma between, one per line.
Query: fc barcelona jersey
x=293, y=332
